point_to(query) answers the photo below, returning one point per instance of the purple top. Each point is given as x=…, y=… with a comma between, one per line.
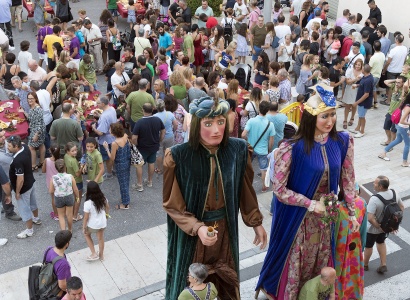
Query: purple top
x=163, y=68
x=50, y=171
x=62, y=268
x=42, y=32
x=75, y=43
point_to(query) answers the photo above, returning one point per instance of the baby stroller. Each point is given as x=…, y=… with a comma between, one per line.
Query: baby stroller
x=165, y=19
x=243, y=74
x=125, y=39
x=285, y=3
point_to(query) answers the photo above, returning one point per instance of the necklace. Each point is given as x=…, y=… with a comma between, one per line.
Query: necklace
x=321, y=137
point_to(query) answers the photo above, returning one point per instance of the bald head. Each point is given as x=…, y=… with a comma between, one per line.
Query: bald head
x=199, y=81
x=32, y=65
x=328, y=275
x=118, y=65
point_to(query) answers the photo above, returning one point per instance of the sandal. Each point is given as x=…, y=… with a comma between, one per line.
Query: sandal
x=40, y=165
x=344, y=124
x=92, y=258
x=34, y=169
x=122, y=206
x=158, y=171
x=366, y=268
x=79, y=218
x=351, y=122
x=384, y=157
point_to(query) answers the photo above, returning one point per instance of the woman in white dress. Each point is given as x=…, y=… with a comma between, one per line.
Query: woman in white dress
x=267, y=48
x=286, y=50
x=353, y=75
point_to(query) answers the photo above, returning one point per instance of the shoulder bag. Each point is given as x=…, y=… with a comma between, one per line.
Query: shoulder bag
x=136, y=156
x=267, y=126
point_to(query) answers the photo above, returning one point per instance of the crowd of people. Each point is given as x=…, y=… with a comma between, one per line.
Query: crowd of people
x=173, y=101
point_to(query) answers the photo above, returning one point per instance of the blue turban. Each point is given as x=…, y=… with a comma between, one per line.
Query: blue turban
x=205, y=107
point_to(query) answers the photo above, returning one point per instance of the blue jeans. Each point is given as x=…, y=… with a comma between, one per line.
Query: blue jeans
x=402, y=135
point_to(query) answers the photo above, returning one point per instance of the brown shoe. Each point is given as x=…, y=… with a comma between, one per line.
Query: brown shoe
x=366, y=268
x=381, y=269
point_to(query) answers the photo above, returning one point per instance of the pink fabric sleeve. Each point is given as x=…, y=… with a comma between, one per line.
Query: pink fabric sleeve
x=348, y=178
x=283, y=161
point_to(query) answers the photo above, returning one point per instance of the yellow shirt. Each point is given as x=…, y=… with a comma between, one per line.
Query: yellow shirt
x=49, y=40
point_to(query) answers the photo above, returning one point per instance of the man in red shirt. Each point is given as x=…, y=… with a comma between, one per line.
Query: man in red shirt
x=210, y=21
x=347, y=43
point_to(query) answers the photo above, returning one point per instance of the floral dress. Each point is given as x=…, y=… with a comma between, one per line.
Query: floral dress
x=35, y=118
x=179, y=116
x=311, y=250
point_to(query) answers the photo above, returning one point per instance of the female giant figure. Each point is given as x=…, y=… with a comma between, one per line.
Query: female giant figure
x=315, y=162
x=206, y=182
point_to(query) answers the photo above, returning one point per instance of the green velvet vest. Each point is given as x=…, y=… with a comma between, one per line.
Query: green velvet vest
x=193, y=172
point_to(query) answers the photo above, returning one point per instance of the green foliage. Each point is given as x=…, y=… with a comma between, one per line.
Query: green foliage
x=194, y=4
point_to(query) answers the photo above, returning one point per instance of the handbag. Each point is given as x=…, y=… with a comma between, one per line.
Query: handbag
x=275, y=42
x=136, y=156
x=396, y=116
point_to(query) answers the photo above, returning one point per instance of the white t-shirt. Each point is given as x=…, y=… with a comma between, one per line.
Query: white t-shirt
x=354, y=57
x=119, y=79
x=228, y=21
x=23, y=59
x=3, y=37
x=241, y=10
x=398, y=54
x=96, y=220
x=285, y=57
x=251, y=109
x=309, y=24
x=140, y=43
x=297, y=7
x=281, y=32
x=44, y=99
x=377, y=63
x=38, y=74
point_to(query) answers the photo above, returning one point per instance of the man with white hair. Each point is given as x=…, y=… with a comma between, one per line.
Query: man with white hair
x=284, y=88
x=35, y=72
x=21, y=93
x=321, y=285
x=197, y=91
x=119, y=79
x=140, y=42
x=102, y=129
x=186, y=11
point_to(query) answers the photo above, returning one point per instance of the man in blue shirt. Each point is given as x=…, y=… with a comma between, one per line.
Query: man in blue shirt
x=165, y=39
x=108, y=117
x=5, y=21
x=278, y=120
x=386, y=43
x=260, y=132
x=364, y=100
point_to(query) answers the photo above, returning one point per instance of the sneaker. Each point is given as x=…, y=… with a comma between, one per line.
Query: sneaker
x=37, y=221
x=138, y=187
x=148, y=183
x=358, y=135
x=24, y=234
x=3, y=242
x=11, y=48
x=14, y=217
x=375, y=105
x=107, y=176
x=352, y=130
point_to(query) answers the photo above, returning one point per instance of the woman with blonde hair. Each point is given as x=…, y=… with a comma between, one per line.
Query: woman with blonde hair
x=178, y=87
x=159, y=90
x=189, y=76
x=233, y=90
x=270, y=29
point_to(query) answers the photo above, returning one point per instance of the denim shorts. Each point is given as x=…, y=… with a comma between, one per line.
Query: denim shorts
x=104, y=153
x=388, y=124
x=262, y=160
x=87, y=88
x=361, y=111
x=149, y=158
x=27, y=204
x=114, y=12
x=61, y=202
x=80, y=186
x=375, y=83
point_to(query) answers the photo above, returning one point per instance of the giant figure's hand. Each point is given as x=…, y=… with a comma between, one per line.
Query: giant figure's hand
x=260, y=237
x=205, y=239
x=355, y=226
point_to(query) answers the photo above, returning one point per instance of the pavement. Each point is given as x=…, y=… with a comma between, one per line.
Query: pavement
x=135, y=248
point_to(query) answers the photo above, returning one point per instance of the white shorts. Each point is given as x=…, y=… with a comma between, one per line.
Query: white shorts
x=43, y=57
x=222, y=66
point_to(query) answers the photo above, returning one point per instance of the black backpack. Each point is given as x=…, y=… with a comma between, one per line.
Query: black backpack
x=42, y=282
x=392, y=214
x=228, y=29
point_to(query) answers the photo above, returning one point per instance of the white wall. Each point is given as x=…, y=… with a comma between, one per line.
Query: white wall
x=395, y=14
